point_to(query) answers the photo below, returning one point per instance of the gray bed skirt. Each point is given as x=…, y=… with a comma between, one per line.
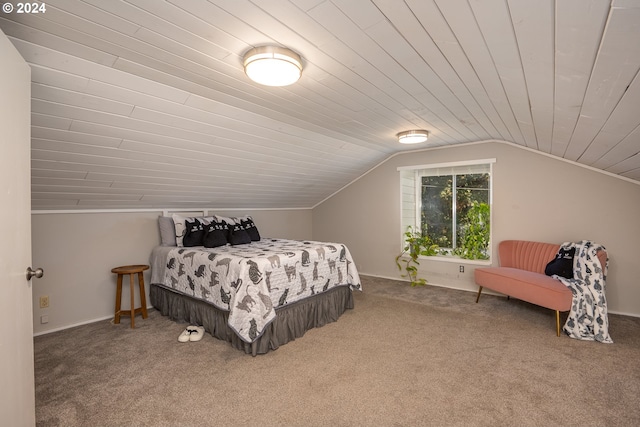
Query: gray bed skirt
x=291, y=322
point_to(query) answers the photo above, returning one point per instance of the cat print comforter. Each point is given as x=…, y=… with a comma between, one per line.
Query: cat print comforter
x=250, y=281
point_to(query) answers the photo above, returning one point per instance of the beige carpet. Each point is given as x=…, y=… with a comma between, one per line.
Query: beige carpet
x=403, y=357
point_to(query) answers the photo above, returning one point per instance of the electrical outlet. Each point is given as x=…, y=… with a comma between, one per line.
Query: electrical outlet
x=44, y=319
x=44, y=301
x=462, y=269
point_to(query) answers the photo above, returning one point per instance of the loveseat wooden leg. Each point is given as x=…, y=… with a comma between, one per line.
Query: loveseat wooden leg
x=557, y=323
x=478, y=297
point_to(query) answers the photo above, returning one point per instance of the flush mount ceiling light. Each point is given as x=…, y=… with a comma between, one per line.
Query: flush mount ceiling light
x=412, y=136
x=272, y=65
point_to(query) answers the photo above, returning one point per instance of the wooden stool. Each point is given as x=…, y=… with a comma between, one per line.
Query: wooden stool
x=130, y=270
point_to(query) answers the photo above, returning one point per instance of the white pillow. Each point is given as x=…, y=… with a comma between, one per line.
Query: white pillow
x=167, y=231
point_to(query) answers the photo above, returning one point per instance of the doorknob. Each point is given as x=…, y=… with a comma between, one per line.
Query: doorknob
x=38, y=273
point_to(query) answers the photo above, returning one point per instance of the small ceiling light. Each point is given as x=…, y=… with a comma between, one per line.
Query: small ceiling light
x=413, y=136
x=272, y=66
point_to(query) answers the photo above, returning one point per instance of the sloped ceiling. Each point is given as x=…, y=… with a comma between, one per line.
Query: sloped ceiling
x=144, y=103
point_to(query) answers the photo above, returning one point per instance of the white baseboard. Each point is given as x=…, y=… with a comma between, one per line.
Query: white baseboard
x=428, y=284
x=484, y=291
x=86, y=322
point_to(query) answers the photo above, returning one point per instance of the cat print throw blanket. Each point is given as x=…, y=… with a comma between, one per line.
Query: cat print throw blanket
x=588, y=318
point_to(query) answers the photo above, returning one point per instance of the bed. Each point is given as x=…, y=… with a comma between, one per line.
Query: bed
x=256, y=295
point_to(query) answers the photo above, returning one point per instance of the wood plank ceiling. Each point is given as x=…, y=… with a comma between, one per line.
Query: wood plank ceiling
x=144, y=103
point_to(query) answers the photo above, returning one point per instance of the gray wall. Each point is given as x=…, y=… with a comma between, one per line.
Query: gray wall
x=78, y=250
x=535, y=197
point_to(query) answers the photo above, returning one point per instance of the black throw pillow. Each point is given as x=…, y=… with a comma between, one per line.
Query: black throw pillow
x=251, y=229
x=239, y=235
x=216, y=234
x=194, y=233
x=562, y=264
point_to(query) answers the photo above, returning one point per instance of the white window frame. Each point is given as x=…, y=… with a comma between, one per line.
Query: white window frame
x=411, y=198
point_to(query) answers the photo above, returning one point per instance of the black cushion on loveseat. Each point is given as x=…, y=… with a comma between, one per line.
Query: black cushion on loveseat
x=562, y=264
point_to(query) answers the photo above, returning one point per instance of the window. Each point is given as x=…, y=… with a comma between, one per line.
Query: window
x=451, y=204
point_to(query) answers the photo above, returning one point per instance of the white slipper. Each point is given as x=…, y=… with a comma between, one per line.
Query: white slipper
x=197, y=332
x=184, y=336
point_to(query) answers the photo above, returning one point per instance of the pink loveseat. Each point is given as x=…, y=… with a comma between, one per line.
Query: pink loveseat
x=521, y=275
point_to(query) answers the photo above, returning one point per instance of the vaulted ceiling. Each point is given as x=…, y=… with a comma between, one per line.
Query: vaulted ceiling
x=144, y=103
